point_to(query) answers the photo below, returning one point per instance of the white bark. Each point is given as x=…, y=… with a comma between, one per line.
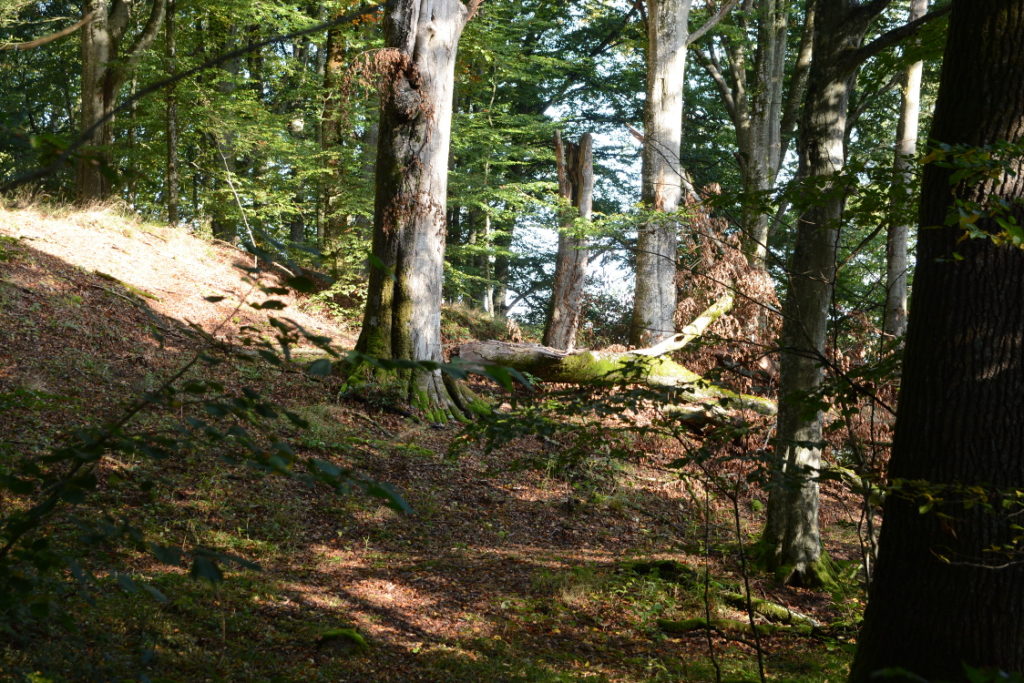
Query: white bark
x=403, y=309
x=895, y=322
x=655, y=299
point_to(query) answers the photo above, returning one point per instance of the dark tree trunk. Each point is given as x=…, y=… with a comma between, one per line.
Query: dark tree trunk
x=173, y=198
x=576, y=185
x=403, y=308
x=940, y=597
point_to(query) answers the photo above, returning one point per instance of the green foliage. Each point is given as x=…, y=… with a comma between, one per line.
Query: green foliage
x=986, y=216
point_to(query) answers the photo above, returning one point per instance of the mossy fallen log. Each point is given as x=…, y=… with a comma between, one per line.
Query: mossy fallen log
x=771, y=611
x=597, y=367
x=684, y=626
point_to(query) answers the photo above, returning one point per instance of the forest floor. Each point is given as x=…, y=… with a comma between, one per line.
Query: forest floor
x=502, y=572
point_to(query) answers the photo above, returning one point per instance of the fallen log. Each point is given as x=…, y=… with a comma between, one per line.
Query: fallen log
x=598, y=367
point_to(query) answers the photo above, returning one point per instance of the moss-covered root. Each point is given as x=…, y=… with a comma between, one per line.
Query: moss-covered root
x=818, y=575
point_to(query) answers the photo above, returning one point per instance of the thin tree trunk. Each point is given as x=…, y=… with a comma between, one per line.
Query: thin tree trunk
x=759, y=110
x=895, y=321
x=947, y=587
x=791, y=531
x=575, y=164
x=173, y=181
x=403, y=308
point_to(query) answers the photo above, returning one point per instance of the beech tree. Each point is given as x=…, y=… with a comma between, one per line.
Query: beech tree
x=402, y=318
x=762, y=108
x=662, y=179
x=104, y=65
x=946, y=590
x=898, y=233
x=791, y=531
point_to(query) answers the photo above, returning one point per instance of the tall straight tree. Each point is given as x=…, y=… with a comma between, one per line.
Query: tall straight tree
x=898, y=233
x=941, y=597
x=403, y=307
x=171, y=182
x=662, y=180
x=104, y=65
x=576, y=185
x=791, y=531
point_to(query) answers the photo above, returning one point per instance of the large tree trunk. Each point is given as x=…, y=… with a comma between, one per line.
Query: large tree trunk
x=403, y=308
x=895, y=320
x=947, y=587
x=103, y=69
x=654, y=304
x=575, y=163
x=791, y=532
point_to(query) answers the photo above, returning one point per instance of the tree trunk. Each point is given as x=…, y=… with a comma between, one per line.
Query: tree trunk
x=946, y=590
x=654, y=304
x=575, y=164
x=403, y=308
x=173, y=198
x=791, y=532
x=103, y=69
x=895, y=321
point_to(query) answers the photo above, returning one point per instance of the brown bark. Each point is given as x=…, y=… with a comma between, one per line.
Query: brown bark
x=940, y=597
x=575, y=164
x=104, y=64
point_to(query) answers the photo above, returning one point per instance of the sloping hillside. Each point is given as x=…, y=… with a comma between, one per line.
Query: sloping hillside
x=512, y=566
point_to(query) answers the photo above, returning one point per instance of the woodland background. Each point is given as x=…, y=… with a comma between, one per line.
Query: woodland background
x=705, y=211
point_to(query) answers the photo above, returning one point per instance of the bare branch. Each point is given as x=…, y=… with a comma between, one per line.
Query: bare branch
x=28, y=45
x=712, y=22
x=710, y=65
x=798, y=82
